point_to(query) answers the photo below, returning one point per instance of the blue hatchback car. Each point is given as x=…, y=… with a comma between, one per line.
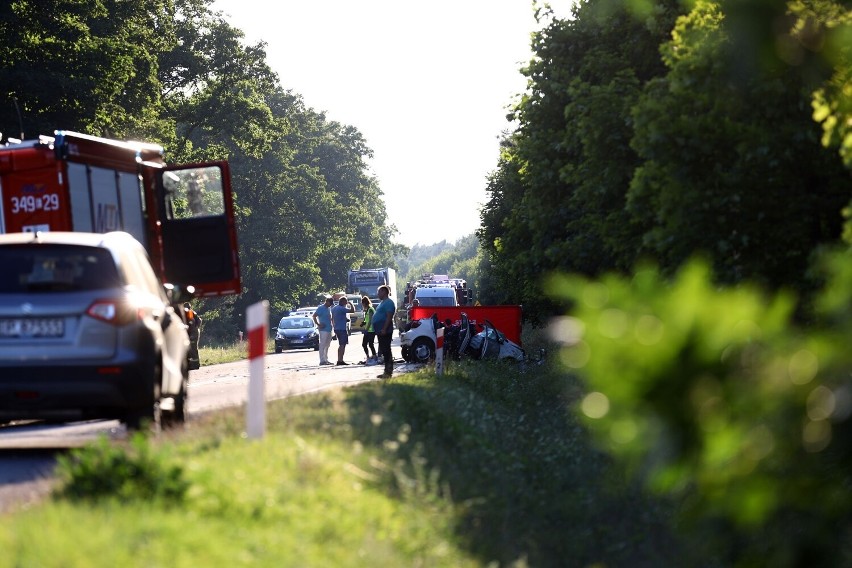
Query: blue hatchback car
x=296, y=332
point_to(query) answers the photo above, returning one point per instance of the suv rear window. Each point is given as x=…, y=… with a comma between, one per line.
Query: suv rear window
x=51, y=268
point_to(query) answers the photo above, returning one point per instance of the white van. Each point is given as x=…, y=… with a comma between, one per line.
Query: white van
x=356, y=318
x=436, y=296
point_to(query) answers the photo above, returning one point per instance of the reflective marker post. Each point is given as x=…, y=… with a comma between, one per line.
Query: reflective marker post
x=257, y=323
x=439, y=352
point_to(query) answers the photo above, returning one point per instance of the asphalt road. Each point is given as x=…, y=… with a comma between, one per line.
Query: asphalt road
x=28, y=450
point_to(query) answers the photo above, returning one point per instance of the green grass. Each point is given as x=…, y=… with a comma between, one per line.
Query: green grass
x=216, y=354
x=484, y=466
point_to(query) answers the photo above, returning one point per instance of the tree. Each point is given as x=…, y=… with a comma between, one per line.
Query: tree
x=732, y=163
x=416, y=256
x=89, y=66
x=557, y=197
x=621, y=155
x=356, y=231
x=215, y=89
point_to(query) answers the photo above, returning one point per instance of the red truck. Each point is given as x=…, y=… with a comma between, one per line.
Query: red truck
x=182, y=214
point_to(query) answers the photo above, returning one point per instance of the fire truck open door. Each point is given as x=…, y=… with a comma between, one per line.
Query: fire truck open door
x=199, y=240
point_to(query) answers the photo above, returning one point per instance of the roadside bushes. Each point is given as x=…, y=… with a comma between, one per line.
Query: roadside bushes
x=102, y=470
x=716, y=396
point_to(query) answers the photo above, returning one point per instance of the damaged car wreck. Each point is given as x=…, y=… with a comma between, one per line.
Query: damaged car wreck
x=464, y=338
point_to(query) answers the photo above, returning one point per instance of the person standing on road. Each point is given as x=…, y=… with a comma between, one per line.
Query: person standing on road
x=322, y=318
x=383, y=325
x=193, y=329
x=340, y=319
x=369, y=331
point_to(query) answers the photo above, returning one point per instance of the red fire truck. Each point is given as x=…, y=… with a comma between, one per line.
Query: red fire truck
x=183, y=215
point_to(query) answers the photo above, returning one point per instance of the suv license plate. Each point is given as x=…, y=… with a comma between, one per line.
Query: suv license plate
x=32, y=327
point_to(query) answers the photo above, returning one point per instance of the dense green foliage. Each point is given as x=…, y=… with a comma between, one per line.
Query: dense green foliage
x=691, y=128
x=105, y=471
x=716, y=396
x=738, y=171
x=91, y=66
x=697, y=128
x=557, y=198
x=176, y=73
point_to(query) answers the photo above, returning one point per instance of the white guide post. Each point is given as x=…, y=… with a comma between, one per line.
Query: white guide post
x=439, y=352
x=257, y=323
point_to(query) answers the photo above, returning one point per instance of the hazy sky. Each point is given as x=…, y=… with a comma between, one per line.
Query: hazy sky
x=428, y=85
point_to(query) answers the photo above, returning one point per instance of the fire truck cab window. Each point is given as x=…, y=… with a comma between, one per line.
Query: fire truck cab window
x=194, y=192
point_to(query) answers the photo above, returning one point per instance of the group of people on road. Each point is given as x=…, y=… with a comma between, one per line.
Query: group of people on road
x=332, y=319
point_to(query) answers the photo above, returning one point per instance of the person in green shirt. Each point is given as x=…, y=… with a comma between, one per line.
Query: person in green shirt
x=369, y=332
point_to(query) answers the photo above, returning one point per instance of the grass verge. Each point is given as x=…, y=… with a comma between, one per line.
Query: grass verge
x=216, y=354
x=484, y=466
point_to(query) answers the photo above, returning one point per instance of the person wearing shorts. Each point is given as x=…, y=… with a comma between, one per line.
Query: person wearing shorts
x=339, y=319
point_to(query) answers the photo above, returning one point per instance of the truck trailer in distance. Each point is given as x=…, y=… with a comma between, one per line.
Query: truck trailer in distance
x=366, y=282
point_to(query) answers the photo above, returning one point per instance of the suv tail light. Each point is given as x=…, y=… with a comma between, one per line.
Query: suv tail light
x=114, y=312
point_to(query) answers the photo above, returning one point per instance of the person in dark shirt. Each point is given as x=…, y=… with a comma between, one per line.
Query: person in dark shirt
x=193, y=329
x=383, y=325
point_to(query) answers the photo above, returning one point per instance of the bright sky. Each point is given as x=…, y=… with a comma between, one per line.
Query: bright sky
x=427, y=83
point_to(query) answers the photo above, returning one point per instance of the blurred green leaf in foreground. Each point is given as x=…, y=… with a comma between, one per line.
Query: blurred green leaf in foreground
x=718, y=396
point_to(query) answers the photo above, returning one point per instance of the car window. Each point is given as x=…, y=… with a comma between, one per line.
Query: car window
x=48, y=268
x=295, y=323
x=194, y=192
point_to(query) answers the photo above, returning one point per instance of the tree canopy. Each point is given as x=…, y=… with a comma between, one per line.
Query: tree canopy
x=90, y=65
x=696, y=128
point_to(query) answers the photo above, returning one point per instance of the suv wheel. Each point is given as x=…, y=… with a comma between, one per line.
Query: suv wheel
x=149, y=416
x=176, y=417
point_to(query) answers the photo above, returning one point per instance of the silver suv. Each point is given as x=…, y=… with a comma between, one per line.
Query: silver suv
x=88, y=331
